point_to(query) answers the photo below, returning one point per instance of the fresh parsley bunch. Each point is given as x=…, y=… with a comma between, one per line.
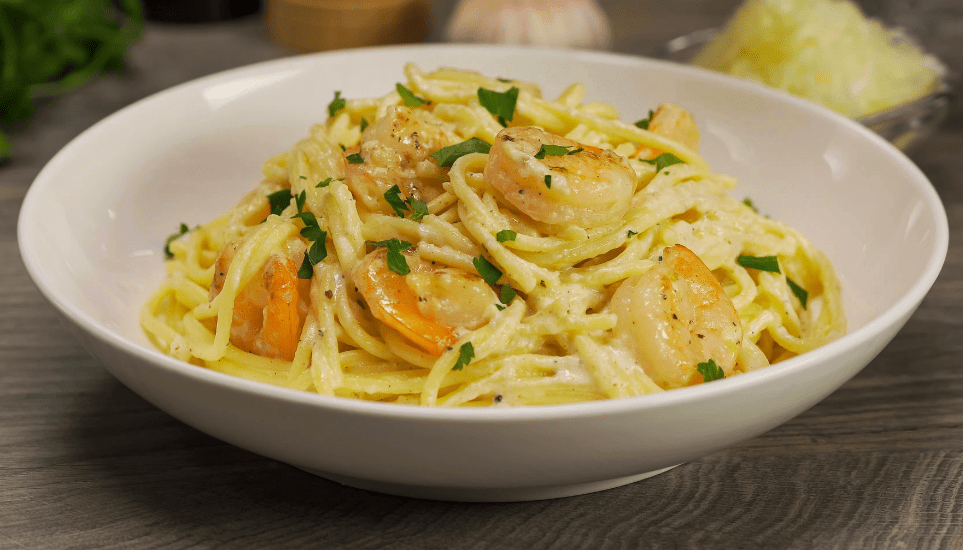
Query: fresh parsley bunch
x=49, y=47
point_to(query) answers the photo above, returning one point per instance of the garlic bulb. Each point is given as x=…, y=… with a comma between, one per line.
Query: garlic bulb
x=559, y=23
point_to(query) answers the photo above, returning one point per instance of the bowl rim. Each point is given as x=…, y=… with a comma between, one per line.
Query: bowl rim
x=906, y=304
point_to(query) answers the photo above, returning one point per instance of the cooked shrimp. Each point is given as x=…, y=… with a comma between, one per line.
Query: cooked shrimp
x=269, y=311
x=396, y=150
x=588, y=187
x=430, y=306
x=675, y=123
x=675, y=316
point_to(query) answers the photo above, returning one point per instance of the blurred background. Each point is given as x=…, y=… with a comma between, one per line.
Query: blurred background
x=49, y=48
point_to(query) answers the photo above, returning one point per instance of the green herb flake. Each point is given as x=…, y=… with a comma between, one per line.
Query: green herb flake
x=167, y=243
x=395, y=259
x=410, y=99
x=631, y=234
x=318, y=250
x=419, y=209
x=663, y=160
x=505, y=235
x=710, y=371
x=311, y=230
x=506, y=294
x=553, y=151
x=644, y=123
x=397, y=263
x=548, y=181
x=446, y=156
x=327, y=181
x=306, y=271
x=465, y=354
x=354, y=158
x=279, y=200
x=392, y=244
x=748, y=202
x=300, y=199
x=393, y=197
x=762, y=263
x=500, y=104
x=364, y=124
x=487, y=270
x=336, y=105
x=799, y=291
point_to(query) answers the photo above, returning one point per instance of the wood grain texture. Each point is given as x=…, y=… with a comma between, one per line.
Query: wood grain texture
x=85, y=463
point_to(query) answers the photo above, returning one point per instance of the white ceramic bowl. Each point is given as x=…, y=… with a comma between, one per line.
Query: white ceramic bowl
x=93, y=224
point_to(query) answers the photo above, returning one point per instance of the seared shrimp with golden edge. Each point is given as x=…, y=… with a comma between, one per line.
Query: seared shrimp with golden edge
x=269, y=310
x=675, y=123
x=675, y=316
x=584, y=185
x=430, y=306
x=396, y=150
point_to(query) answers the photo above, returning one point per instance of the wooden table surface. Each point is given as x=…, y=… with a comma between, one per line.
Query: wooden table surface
x=85, y=463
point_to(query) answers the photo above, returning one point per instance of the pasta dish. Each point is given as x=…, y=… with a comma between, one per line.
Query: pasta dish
x=463, y=241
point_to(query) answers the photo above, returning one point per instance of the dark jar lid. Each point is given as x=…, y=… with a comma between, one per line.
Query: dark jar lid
x=198, y=11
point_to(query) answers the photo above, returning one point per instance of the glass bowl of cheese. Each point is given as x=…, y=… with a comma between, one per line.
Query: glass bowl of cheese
x=829, y=52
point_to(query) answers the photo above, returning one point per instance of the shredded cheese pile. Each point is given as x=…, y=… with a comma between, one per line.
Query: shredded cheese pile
x=823, y=50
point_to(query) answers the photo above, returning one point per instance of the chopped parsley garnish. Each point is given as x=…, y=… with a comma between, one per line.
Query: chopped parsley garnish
x=327, y=181
x=279, y=200
x=505, y=235
x=364, y=123
x=548, y=181
x=500, y=104
x=393, y=197
x=506, y=294
x=465, y=354
x=556, y=150
x=411, y=100
x=167, y=243
x=748, y=202
x=317, y=251
x=354, y=158
x=487, y=270
x=631, y=234
x=762, y=263
x=644, y=123
x=396, y=260
x=336, y=104
x=446, y=156
x=306, y=271
x=710, y=371
x=799, y=291
x=300, y=199
x=417, y=207
x=663, y=160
